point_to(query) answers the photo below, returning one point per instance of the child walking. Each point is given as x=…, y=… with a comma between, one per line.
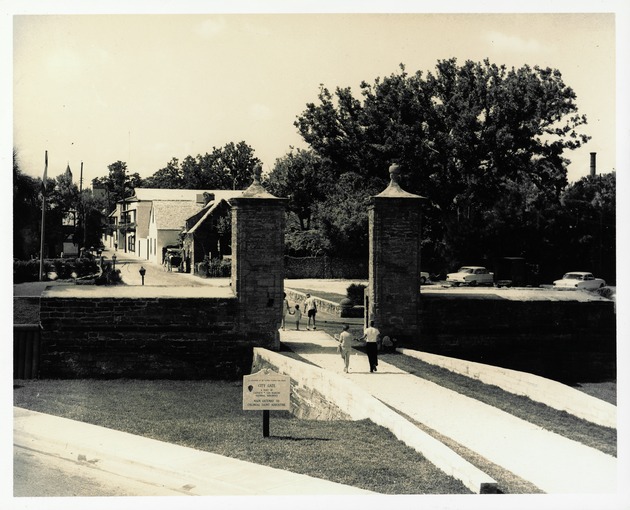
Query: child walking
x=298, y=316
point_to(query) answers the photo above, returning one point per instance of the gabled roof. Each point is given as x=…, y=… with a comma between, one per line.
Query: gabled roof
x=172, y=214
x=209, y=209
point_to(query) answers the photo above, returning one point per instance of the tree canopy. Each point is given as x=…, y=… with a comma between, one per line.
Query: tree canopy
x=118, y=184
x=483, y=143
x=228, y=167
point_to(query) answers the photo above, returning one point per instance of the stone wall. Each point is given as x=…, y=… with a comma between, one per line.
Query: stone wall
x=325, y=267
x=323, y=305
x=141, y=337
x=562, y=340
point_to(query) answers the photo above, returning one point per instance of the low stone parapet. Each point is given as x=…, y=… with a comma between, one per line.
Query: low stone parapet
x=551, y=393
x=324, y=305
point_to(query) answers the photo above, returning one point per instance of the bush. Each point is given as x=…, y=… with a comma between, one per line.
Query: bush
x=606, y=292
x=355, y=293
x=28, y=270
x=215, y=268
x=109, y=276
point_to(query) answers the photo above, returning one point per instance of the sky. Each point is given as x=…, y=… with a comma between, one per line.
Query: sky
x=146, y=88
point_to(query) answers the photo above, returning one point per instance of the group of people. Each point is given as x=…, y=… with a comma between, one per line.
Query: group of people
x=295, y=314
x=370, y=337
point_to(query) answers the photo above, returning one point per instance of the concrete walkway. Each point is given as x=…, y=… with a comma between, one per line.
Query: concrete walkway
x=170, y=469
x=551, y=462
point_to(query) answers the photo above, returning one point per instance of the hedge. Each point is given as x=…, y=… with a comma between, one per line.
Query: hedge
x=28, y=270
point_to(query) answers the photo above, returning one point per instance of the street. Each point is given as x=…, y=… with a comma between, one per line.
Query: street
x=36, y=474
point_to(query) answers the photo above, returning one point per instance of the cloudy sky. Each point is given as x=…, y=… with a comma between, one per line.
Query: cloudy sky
x=146, y=88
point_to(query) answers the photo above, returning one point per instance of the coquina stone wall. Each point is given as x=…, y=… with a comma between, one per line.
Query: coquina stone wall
x=564, y=340
x=325, y=267
x=140, y=336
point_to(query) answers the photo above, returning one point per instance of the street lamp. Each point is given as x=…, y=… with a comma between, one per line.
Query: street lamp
x=142, y=273
x=114, y=261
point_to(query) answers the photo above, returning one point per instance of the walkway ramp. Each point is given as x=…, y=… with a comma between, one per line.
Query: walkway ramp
x=553, y=463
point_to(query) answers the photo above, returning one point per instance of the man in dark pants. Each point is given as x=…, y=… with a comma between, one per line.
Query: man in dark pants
x=370, y=335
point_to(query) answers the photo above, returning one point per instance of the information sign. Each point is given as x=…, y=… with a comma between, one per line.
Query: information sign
x=266, y=390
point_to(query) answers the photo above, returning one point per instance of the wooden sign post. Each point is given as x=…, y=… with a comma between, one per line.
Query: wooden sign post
x=266, y=391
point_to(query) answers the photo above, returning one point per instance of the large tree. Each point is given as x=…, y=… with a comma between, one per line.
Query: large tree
x=586, y=224
x=118, y=184
x=228, y=167
x=482, y=142
x=27, y=212
x=301, y=176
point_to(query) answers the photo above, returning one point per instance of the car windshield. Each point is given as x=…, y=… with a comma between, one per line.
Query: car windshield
x=572, y=276
x=468, y=270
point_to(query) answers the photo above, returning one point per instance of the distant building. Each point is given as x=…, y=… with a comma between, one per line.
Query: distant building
x=155, y=218
x=207, y=233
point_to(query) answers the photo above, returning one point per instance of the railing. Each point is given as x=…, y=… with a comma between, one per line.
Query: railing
x=26, y=351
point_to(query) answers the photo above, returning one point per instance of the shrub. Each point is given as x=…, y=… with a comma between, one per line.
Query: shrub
x=28, y=270
x=219, y=268
x=109, y=276
x=355, y=293
x=214, y=268
x=606, y=292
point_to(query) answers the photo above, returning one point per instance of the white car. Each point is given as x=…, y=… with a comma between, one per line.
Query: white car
x=579, y=280
x=471, y=275
x=424, y=277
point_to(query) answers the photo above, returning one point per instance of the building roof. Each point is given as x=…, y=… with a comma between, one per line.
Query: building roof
x=153, y=194
x=209, y=209
x=172, y=214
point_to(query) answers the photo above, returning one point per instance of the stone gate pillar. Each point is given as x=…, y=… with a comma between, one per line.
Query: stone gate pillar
x=394, y=265
x=258, y=223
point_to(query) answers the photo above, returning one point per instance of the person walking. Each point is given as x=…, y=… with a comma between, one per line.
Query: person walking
x=311, y=310
x=345, y=344
x=298, y=315
x=371, y=336
x=286, y=311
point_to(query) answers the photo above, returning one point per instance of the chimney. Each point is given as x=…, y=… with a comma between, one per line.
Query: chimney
x=204, y=198
x=593, y=163
x=207, y=198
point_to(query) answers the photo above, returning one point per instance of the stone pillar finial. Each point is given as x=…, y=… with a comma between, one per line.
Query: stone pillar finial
x=257, y=173
x=394, y=173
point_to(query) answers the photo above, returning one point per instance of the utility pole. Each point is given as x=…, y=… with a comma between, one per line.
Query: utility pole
x=43, y=229
x=83, y=207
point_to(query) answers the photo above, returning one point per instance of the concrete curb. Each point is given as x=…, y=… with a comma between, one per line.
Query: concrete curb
x=359, y=405
x=551, y=393
x=176, y=469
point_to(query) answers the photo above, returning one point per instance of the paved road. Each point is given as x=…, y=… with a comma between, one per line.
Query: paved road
x=42, y=475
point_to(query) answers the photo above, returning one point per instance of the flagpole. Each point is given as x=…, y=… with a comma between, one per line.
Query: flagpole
x=41, y=246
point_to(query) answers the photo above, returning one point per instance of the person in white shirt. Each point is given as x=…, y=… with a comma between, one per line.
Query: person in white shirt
x=345, y=339
x=311, y=310
x=371, y=335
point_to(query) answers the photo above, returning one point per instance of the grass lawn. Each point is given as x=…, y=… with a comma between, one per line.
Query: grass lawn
x=208, y=415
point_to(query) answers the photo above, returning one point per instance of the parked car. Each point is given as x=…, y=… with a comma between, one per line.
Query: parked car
x=471, y=275
x=579, y=280
x=424, y=277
